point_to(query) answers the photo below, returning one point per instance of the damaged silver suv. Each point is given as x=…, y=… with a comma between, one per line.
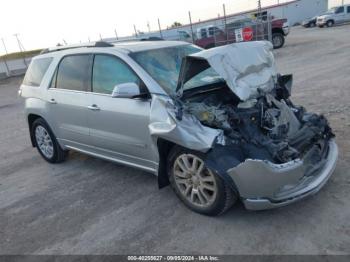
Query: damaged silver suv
x=218, y=125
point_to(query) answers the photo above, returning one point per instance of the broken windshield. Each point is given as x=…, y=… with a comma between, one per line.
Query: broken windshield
x=164, y=66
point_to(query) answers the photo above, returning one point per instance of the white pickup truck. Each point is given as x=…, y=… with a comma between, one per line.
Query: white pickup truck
x=336, y=15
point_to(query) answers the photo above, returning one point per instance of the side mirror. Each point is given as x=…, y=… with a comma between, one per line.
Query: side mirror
x=126, y=90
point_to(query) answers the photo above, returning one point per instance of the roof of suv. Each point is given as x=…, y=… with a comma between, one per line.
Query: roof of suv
x=126, y=47
x=133, y=47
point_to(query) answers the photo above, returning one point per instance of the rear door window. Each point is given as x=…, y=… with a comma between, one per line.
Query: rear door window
x=74, y=73
x=109, y=71
x=36, y=71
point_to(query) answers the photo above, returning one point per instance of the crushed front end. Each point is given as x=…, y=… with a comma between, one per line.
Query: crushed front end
x=271, y=151
x=274, y=152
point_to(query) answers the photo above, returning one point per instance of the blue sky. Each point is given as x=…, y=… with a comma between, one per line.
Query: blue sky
x=42, y=23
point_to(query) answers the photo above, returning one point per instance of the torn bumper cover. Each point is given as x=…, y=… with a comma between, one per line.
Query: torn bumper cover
x=282, y=184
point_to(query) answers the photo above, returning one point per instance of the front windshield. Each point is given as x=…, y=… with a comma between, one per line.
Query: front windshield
x=164, y=65
x=331, y=11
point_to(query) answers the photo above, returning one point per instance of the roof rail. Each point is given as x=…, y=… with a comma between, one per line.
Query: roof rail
x=66, y=47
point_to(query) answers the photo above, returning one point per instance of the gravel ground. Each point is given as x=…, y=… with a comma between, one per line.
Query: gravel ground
x=90, y=206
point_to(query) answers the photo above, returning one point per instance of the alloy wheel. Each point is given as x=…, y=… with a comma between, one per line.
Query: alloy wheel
x=195, y=181
x=44, y=141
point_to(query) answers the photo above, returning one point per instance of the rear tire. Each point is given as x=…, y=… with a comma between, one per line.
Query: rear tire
x=46, y=142
x=312, y=25
x=199, y=188
x=278, y=40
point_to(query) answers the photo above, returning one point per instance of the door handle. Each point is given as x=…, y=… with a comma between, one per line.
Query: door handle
x=94, y=107
x=52, y=101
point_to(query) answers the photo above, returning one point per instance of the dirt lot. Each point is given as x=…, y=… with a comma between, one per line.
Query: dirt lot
x=90, y=206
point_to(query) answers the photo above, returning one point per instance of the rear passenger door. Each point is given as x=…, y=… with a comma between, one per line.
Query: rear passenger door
x=119, y=126
x=68, y=100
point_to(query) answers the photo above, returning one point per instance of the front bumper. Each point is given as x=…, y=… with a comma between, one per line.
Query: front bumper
x=286, y=30
x=263, y=185
x=321, y=23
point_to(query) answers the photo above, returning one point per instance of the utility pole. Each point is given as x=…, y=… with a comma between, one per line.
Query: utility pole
x=192, y=33
x=259, y=10
x=21, y=50
x=149, y=27
x=6, y=65
x=116, y=34
x=3, y=43
x=225, y=21
x=135, y=30
x=160, y=29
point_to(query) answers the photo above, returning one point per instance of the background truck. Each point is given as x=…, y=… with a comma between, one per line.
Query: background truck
x=243, y=30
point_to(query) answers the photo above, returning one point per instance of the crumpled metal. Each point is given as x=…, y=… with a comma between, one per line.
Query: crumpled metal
x=187, y=132
x=248, y=68
x=209, y=115
x=286, y=116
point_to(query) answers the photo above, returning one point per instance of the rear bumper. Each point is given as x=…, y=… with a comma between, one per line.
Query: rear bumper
x=273, y=186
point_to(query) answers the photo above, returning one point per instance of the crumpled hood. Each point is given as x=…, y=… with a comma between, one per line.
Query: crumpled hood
x=248, y=68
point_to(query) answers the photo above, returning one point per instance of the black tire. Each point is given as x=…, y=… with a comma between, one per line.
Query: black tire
x=330, y=23
x=312, y=24
x=225, y=196
x=59, y=154
x=278, y=40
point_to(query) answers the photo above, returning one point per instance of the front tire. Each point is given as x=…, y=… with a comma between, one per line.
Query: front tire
x=278, y=40
x=46, y=142
x=197, y=186
x=330, y=23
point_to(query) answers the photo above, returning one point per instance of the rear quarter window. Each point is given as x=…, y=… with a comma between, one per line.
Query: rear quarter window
x=36, y=71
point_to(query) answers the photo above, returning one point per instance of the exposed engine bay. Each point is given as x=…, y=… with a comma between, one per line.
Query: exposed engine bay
x=269, y=127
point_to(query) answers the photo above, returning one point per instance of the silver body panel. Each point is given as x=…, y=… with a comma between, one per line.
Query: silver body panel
x=118, y=131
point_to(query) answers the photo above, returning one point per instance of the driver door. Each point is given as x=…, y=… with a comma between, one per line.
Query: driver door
x=118, y=126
